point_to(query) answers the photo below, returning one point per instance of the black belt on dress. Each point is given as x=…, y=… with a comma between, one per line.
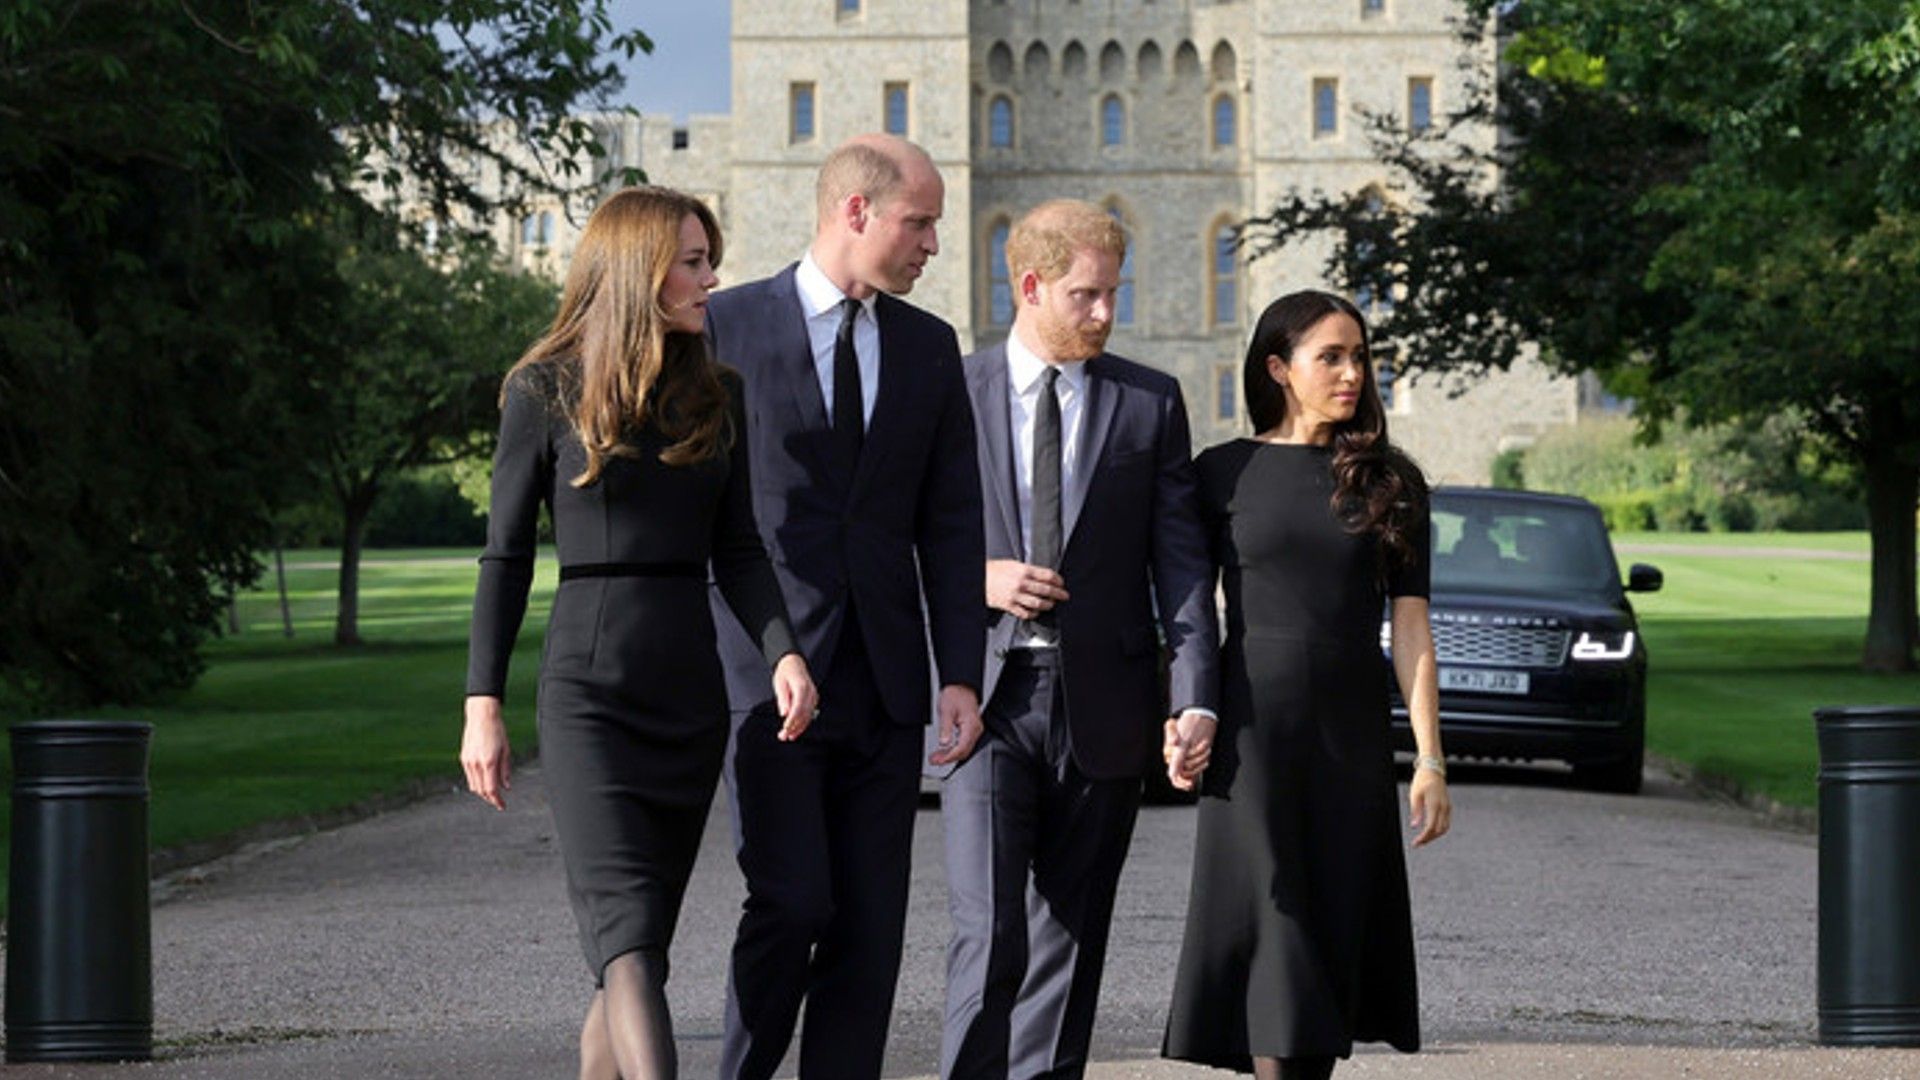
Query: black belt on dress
x=633, y=569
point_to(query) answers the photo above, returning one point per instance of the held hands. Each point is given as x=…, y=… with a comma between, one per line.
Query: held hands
x=1188, y=747
x=794, y=695
x=960, y=725
x=484, y=753
x=1429, y=807
x=1021, y=589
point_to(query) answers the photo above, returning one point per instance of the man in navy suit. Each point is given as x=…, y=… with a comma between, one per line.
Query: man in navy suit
x=867, y=494
x=1095, y=552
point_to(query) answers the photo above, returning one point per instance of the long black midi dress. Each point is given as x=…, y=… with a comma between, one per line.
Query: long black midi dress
x=1299, y=938
x=632, y=708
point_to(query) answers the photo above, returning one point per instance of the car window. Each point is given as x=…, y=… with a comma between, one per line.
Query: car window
x=1512, y=546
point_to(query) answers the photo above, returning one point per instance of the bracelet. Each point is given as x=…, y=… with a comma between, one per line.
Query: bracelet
x=1432, y=763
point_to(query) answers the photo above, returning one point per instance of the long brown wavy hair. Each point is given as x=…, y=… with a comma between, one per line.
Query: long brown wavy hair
x=614, y=363
x=1377, y=488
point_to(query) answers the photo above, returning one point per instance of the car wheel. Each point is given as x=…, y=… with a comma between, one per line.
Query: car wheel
x=1620, y=777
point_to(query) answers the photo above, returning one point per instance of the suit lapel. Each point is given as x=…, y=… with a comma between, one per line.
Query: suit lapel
x=791, y=343
x=1103, y=401
x=989, y=386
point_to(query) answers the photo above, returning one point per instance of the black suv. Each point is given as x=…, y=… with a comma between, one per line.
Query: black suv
x=1540, y=655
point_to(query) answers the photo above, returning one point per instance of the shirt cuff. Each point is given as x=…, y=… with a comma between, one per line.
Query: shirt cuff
x=1199, y=711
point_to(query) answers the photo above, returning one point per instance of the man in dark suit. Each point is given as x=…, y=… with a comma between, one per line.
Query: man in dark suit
x=866, y=492
x=1094, y=552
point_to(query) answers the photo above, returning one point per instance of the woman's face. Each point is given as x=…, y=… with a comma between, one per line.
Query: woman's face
x=1326, y=372
x=683, y=296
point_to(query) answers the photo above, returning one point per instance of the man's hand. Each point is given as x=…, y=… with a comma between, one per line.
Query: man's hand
x=1021, y=589
x=1187, y=748
x=960, y=725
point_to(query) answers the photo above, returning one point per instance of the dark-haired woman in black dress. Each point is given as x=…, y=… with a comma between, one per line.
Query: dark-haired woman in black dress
x=624, y=426
x=1299, y=937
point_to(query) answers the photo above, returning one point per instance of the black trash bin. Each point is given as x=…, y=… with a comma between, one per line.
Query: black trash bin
x=79, y=950
x=1869, y=875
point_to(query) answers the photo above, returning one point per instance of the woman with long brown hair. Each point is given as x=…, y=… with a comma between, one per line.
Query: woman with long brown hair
x=622, y=424
x=1299, y=937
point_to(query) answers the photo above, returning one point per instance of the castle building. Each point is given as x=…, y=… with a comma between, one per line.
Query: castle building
x=1182, y=117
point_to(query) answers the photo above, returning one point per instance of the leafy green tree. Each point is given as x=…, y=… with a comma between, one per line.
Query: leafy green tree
x=1713, y=203
x=413, y=376
x=166, y=170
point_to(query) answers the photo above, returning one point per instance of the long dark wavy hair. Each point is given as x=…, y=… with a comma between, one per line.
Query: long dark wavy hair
x=1377, y=488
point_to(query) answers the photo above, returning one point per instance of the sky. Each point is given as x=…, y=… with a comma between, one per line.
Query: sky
x=687, y=71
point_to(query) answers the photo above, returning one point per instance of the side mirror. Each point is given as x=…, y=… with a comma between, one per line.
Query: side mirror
x=1644, y=578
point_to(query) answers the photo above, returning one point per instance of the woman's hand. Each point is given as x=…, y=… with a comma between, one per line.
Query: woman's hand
x=484, y=753
x=1429, y=807
x=794, y=695
x=1187, y=748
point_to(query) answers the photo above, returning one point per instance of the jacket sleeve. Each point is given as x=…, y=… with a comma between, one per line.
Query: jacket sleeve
x=950, y=531
x=522, y=479
x=740, y=564
x=1183, y=573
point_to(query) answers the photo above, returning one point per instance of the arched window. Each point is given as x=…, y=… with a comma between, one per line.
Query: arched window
x=1123, y=297
x=1000, y=123
x=1113, y=121
x=529, y=226
x=1326, y=106
x=546, y=227
x=999, y=285
x=1223, y=276
x=1419, y=104
x=1224, y=122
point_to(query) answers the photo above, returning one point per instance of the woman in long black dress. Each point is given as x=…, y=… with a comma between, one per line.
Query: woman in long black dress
x=1299, y=938
x=624, y=426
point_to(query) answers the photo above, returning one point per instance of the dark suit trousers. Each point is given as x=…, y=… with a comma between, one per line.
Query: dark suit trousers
x=824, y=827
x=1034, y=850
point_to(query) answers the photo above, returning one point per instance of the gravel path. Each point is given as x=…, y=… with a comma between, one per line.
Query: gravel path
x=1561, y=933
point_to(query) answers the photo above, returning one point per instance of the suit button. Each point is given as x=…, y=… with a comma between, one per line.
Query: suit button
x=999, y=654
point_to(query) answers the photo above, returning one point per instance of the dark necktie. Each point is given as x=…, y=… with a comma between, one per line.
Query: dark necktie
x=1045, y=542
x=848, y=418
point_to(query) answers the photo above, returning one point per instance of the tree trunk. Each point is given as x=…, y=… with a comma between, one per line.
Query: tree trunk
x=280, y=572
x=358, y=506
x=1893, y=495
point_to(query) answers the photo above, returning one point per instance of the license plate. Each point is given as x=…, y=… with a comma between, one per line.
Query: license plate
x=1482, y=681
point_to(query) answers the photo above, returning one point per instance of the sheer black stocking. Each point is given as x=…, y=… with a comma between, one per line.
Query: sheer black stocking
x=634, y=1033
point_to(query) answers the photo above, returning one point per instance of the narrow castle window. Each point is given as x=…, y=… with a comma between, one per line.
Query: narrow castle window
x=895, y=107
x=999, y=287
x=1326, y=107
x=1226, y=392
x=1113, y=121
x=800, y=112
x=1224, y=276
x=1000, y=123
x=1419, y=104
x=1123, y=296
x=1224, y=126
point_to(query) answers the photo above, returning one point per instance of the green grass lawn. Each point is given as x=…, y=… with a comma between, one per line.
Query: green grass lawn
x=1743, y=649
x=281, y=728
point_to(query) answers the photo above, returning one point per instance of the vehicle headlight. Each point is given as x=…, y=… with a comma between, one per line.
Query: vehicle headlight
x=1603, y=645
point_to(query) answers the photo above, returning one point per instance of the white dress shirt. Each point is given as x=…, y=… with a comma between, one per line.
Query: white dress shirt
x=1024, y=384
x=820, y=301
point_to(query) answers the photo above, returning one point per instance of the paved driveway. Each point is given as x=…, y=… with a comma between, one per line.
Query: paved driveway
x=1560, y=933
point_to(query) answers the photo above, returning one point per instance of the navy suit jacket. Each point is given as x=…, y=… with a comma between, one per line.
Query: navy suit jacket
x=900, y=533
x=1135, y=548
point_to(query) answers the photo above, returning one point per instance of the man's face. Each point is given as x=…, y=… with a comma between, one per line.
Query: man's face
x=899, y=237
x=1073, y=314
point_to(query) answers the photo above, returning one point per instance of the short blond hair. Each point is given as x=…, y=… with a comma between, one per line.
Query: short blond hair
x=1051, y=234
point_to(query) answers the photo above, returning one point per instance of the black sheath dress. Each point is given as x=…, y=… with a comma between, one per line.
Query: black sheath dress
x=632, y=707
x=1299, y=938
